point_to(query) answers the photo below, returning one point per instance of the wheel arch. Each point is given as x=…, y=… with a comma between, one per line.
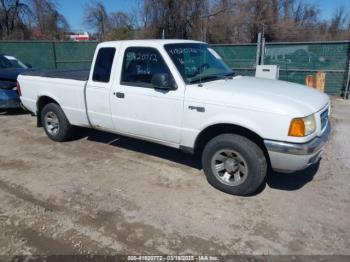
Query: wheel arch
x=40, y=104
x=214, y=130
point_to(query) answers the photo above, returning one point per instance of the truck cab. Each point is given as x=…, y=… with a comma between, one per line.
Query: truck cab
x=131, y=100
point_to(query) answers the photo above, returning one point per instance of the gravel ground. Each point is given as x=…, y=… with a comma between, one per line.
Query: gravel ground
x=106, y=194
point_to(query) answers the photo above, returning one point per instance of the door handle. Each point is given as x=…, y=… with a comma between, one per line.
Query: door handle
x=120, y=95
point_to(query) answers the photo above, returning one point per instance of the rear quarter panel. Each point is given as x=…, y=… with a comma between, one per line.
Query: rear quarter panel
x=69, y=94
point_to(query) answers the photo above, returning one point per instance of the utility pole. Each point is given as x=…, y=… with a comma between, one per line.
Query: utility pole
x=263, y=45
x=258, y=48
x=263, y=51
x=263, y=30
x=347, y=86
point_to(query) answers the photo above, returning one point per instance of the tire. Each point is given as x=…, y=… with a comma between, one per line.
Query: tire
x=234, y=164
x=55, y=123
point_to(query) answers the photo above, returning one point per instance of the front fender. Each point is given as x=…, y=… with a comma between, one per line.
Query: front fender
x=264, y=124
x=230, y=120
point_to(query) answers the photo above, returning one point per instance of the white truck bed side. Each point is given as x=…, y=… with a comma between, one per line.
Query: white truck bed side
x=68, y=93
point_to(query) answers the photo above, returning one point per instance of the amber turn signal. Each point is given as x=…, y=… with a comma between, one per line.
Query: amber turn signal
x=297, y=127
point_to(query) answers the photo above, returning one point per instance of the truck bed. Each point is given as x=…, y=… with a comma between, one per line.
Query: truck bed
x=81, y=75
x=66, y=87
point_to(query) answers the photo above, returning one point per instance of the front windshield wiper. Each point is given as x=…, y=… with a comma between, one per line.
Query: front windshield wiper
x=231, y=74
x=205, y=78
x=211, y=77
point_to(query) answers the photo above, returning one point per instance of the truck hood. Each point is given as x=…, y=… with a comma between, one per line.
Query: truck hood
x=260, y=94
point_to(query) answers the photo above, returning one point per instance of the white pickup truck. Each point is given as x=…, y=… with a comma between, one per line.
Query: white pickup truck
x=181, y=94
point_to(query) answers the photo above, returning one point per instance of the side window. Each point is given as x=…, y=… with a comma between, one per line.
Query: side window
x=103, y=65
x=140, y=65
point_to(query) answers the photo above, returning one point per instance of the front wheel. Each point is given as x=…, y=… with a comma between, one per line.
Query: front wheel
x=56, y=125
x=234, y=164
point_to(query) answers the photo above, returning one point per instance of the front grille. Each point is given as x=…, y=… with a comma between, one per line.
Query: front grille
x=324, y=118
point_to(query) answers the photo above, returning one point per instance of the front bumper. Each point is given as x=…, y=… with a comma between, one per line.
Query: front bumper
x=289, y=157
x=9, y=99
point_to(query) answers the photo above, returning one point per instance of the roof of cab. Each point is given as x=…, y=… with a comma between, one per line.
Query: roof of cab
x=149, y=42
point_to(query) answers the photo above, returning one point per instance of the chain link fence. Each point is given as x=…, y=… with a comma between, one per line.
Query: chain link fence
x=295, y=60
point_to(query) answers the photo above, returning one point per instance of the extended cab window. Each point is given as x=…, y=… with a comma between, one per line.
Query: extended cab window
x=140, y=65
x=103, y=65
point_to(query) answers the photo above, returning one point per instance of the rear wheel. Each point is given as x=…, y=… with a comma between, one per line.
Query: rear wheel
x=234, y=164
x=55, y=123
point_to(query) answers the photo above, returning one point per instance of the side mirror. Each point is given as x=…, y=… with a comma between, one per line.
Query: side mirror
x=164, y=82
x=29, y=65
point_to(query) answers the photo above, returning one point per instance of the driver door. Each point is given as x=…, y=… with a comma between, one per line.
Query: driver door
x=138, y=108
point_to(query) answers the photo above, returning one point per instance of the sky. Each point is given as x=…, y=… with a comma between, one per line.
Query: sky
x=73, y=10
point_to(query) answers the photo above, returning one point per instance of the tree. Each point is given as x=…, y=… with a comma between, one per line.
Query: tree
x=49, y=22
x=231, y=24
x=23, y=19
x=281, y=20
x=97, y=18
x=178, y=19
x=114, y=26
x=120, y=19
x=296, y=21
x=121, y=27
x=12, y=14
x=337, y=24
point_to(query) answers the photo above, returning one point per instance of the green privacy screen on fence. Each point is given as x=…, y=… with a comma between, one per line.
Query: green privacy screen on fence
x=51, y=55
x=296, y=60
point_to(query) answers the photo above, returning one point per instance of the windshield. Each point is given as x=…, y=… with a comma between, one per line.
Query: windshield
x=198, y=62
x=10, y=62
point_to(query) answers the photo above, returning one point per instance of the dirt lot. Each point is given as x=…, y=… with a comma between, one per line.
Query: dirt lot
x=105, y=194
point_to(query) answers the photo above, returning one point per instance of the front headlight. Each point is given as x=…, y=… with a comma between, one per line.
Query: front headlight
x=301, y=127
